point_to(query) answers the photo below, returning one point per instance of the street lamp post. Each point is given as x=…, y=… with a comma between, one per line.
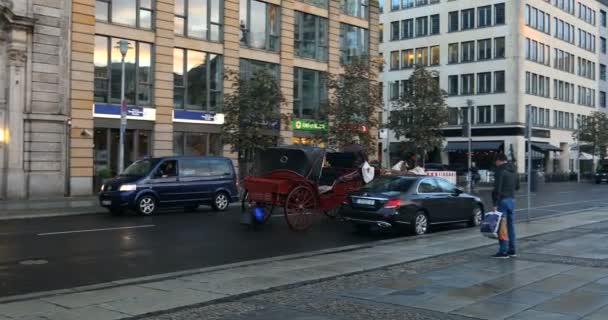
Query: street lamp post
x=470, y=144
x=578, y=150
x=123, y=46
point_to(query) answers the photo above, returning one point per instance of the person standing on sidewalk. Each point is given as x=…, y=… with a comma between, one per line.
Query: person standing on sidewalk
x=503, y=198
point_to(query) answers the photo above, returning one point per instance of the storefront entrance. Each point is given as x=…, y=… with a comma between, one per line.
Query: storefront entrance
x=137, y=146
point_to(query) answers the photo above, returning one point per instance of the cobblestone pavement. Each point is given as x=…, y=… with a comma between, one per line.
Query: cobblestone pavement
x=561, y=275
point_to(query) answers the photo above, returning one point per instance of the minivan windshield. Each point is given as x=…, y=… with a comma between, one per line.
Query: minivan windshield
x=138, y=168
x=388, y=184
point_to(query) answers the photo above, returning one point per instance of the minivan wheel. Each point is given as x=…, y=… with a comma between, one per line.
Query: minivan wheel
x=476, y=217
x=220, y=201
x=420, y=224
x=146, y=205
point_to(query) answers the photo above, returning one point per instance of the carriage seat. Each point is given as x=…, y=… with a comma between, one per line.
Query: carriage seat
x=328, y=177
x=325, y=189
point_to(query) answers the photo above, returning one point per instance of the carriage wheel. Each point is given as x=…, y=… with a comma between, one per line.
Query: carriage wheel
x=300, y=206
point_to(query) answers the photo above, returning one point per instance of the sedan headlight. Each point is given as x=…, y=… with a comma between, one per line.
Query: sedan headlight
x=128, y=187
x=103, y=187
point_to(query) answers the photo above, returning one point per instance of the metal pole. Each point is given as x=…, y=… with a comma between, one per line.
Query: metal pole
x=578, y=151
x=470, y=145
x=529, y=134
x=123, y=119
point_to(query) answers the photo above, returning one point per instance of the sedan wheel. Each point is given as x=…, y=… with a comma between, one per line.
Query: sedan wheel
x=421, y=224
x=146, y=205
x=476, y=218
x=220, y=201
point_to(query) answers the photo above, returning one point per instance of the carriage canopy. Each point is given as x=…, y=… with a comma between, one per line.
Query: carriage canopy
x=305, y=161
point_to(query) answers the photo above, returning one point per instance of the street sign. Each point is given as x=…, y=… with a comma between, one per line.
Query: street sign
x=309, y=125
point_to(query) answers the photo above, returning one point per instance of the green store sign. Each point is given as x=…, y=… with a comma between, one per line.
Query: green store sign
x=309, y=125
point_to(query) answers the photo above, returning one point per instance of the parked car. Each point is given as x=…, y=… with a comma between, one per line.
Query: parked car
x=188, y=182
x=601, y=175
x=413, y=202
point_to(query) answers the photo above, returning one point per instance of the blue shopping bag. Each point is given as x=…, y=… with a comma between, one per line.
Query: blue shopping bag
x=491, y=224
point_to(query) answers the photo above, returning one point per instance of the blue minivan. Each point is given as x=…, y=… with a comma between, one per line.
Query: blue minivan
x=188, y=182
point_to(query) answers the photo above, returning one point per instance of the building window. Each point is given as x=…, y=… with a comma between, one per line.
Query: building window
x=499, y=81
x=395, y=5
x=354, y=43
x=499, y=114
x=422, y=26
x=259, y=25
x=603, y=44
x=453, y=85
x=484, y=16
x=126, y=12
x=468, y=19
x=248, y=68
x=499, y=14
x=453, y=21
x=356, y=8
x=108, y=72
x=435, y=24
x=602, y=99
x=603, y=72
x=484, y=82
x=499, y=47
x=603, y=18
x=453, y=116
x=197, y=144
x=407, y=56
x=453, y=53
x=406, y=4
x=468, y=84
x=468, y=51
x=394, y=91
x=395, y=30
x=484, y=48
x=422, y=56
x=309, y=93
x=310, y=36
x=394, y=60
x=200, y=19
x=484, y=114
x=380, y=33
x=435, y=56
x=408, y=29
x=197, y=80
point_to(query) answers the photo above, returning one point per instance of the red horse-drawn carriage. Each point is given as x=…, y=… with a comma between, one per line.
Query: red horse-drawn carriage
x=301, y=180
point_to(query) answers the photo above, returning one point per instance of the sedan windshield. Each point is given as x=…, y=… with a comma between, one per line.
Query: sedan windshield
x=388, y=184
x=138, y=168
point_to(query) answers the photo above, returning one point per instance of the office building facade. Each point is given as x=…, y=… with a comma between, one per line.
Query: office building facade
x=501, y=57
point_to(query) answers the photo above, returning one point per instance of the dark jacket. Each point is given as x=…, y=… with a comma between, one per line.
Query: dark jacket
x=505, y=183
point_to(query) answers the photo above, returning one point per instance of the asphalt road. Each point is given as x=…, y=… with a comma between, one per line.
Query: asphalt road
x=62, y=252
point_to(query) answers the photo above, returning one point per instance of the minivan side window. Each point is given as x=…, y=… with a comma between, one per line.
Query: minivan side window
x=167, y=169
x=195, y=168
x=220, y=168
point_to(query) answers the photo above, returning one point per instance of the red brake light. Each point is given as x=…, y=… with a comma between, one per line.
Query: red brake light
x=394, y=203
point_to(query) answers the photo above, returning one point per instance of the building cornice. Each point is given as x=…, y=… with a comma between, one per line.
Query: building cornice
x=10, y=20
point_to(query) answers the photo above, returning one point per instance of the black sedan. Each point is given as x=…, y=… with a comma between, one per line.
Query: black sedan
x=413, y=202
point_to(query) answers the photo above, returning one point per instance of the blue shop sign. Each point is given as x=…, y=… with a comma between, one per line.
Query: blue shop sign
x=102, y=110
x=198, y=117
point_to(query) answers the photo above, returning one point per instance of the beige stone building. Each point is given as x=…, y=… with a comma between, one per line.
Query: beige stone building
x=69, y=95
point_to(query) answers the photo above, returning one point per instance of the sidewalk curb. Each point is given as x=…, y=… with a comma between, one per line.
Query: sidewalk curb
x=178, y=274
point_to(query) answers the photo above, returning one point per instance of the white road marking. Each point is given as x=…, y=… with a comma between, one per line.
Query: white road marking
x=96, y=230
